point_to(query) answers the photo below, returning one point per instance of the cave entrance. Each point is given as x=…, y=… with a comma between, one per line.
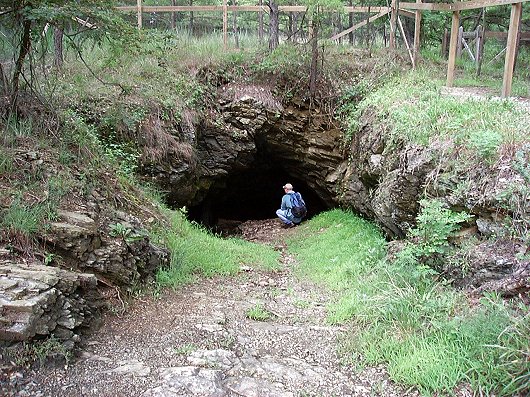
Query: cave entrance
x=251, y=194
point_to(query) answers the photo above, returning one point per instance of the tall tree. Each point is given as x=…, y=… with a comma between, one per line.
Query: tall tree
x=317, y=10
x=274, y=25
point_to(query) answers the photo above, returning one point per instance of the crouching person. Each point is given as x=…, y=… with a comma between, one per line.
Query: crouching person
x=285, y=213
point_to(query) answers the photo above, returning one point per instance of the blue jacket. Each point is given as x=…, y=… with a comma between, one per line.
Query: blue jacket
x=287, y=206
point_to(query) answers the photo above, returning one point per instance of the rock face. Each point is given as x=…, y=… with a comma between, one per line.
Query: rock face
x=38, y=301
x=250, y=129
x=121, y=259
x=252, y=126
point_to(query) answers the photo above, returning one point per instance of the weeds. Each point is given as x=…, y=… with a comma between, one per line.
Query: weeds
x=258, y=313
x=38, y=352
x=22, y=218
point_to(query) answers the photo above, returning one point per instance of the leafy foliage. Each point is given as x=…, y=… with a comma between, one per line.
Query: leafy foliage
x=435, y=224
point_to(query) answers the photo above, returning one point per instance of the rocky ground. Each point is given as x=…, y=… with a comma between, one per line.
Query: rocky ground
x=199, y=341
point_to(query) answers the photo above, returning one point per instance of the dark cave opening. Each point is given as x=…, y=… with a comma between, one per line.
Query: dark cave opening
x=251, y=194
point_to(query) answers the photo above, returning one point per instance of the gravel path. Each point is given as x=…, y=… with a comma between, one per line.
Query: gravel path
x=198, y=341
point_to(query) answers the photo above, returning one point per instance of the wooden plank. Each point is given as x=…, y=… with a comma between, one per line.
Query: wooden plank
x=406, y=13
x=139, y=13
x=250, y=8
x=359, y=25
x=172, y=8
x=417, y=32
x=452, y=49
x=350, y=9
x=503, y=35
x=458, y=6
x=511, y=49
x=84, y=23
x=468, y=50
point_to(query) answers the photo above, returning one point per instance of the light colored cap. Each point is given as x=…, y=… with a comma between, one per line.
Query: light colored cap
x=288, y=186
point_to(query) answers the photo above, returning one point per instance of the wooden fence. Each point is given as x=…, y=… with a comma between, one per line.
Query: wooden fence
x=396, y=9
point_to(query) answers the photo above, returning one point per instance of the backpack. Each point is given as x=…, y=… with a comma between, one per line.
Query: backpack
x=299, y=208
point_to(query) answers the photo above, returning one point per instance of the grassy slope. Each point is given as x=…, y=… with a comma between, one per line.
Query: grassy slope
x=429, y=335
x=417, y=112
x=195, y=251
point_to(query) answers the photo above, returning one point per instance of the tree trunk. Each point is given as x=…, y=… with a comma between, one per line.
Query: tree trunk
x=274, y=38
x=260, y=23
x=234, y=26
x=4, y=89
x=313, y=74
x=350, y=23
x=368, y=30
x=25, y=43
x=58, y=58
x=290, y=30
x=190, y=28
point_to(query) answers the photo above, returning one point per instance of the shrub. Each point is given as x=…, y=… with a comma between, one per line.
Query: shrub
x=435, y=224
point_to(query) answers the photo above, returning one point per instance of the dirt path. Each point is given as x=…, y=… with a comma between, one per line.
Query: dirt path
x=197, y=341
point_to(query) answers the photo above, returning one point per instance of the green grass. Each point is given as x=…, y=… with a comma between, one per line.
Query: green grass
x=195, y=251
x=413, y=110
x=258, y=313
x=23, y=219
x=362, y=244
x=427, y=333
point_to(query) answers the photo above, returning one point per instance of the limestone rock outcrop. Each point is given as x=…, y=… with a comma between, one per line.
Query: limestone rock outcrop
x=121, y=259
x=63, y=298
x=38, y=301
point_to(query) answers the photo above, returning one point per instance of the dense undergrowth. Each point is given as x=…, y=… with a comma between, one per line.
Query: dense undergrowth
x=429, y=335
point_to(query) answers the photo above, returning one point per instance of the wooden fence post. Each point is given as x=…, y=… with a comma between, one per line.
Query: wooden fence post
x=139, y=13
x=511, y=46
x=478, y=39
x=225, y=24
x=173, y=16
x=459, y=42
x=234, y=25
x=260, y=22
x=417, y=32
x=452, y=49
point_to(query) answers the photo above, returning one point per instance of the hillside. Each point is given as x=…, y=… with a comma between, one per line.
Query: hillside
x=113, y=178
